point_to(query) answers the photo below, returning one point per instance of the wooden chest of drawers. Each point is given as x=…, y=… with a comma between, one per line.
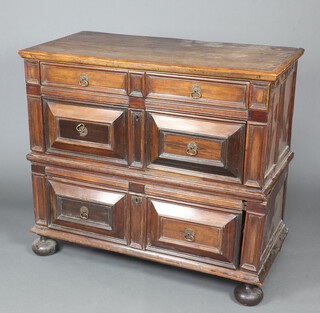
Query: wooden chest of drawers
x=171, y=150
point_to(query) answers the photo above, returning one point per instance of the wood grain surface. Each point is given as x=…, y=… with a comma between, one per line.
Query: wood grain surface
x=150, y=53
x=172, y=150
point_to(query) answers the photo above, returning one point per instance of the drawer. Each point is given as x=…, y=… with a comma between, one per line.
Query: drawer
x=204, y=91
x=83, y=128
x=209, y=234
x=86, y=78
x=208, y=146
x=87, y=209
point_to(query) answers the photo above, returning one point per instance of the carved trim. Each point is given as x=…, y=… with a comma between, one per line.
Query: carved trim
x=32, y=72
x=40, y=169
x=255, y=154
x=259, y=96
x=39, y=199
x=137, y=222
x=137, y=188
x=203, y=110
x=137, y=103
x=33, y=90
x=154, y=177
x=272, y=251
x=36, y=123
x=253, y=237
x=136, y=138
x=136, y=84
x=95, y=98
x=258, y=116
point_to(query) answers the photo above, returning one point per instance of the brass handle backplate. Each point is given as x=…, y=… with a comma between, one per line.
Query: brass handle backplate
x=196, y=92
x=189, y=235
x=84, y=213
x=82, y=129
x=84, y=80
x=192, y=148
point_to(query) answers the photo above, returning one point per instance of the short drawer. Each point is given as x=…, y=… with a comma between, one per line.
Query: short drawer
x=83, y=128
x=204, y=91
x=208, y=146
x=209, y=234
x=86, y=78
x=87, y=209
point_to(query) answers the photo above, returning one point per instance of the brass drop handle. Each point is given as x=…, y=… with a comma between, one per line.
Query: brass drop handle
x=82, y=130
x=84, y=213
x=84, y=80
x=196, y=92
x=192, y=148
x=189, y=235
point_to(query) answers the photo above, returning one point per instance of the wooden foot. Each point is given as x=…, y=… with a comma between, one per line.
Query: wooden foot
x=44, y=246
x=247, y=294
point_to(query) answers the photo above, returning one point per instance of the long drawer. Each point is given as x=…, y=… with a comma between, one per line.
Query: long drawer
x=83, y=77
x=203, y=91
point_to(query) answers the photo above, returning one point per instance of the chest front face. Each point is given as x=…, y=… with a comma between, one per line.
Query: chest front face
x=180, y=154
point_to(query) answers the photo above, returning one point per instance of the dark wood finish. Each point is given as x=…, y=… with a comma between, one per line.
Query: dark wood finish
x=33, y=90
x=67, y=76
x=137, y=222
x=32, y=72
x=136, y=138
x=95, y=98
x=137, y=103
x=35, y=123
x=259, y=96
x=211, y=269
x=105, y=129
x=202, y=109
x=171, y=150
x=105, y=211
x=136, y=85
x=248, y=295
x=251, y=251
x=39, y=198
x=213, y=92
x=265, y=227
x=196, y=233
x=255, y=154
x=280, y=122
x=44, y=246
x=135, y=187
x=257, y=116
x=219, y=145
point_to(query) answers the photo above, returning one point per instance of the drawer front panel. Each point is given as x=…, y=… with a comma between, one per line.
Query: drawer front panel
x=89, y=132
x=209, y=146
x=87, y=209
x=99, y=216
x=205, y=233
x=85, y=78
x=85, y=129
x=220, y=93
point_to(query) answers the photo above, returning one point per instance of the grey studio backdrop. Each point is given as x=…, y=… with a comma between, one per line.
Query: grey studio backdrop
x=80, y=279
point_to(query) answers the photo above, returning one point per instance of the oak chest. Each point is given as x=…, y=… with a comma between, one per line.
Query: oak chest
x=171, y=150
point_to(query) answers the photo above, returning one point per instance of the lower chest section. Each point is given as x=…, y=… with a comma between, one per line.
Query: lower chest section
x=150, y=218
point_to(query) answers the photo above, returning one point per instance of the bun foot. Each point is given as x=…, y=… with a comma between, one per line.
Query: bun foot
x=44, y=246
x=247, y=294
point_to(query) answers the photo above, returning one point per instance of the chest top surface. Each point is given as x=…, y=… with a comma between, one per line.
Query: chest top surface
x=191, y=57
